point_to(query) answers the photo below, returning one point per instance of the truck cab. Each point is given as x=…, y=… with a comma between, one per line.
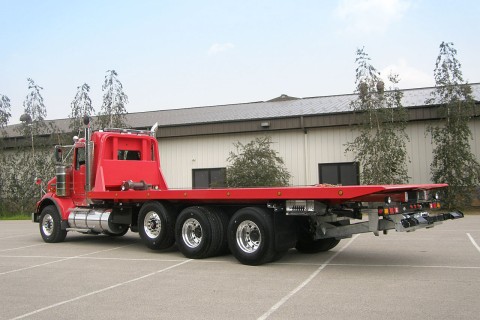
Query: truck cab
x=125, y=155
x=117, y=160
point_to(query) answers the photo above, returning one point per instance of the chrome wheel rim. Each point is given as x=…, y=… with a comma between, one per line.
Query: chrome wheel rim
x=192, y=233
x=249, y=237
x=152, y=224
x=47, y=225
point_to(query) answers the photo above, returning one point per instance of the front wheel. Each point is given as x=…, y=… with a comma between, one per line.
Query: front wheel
x=251, y=237
x=50, y=225
x=156, y=223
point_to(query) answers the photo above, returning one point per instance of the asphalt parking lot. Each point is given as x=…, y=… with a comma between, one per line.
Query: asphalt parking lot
x=426, y=274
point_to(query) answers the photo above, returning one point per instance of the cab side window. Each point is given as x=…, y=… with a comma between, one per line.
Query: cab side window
x=79, y=157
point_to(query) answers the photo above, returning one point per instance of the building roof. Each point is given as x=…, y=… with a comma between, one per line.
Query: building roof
x=275, y=108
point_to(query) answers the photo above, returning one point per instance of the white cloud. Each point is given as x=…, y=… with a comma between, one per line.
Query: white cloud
x=217, y=48
x=410, y=77
x=370, y=16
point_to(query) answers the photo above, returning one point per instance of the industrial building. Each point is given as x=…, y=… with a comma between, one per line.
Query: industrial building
x=308, y=133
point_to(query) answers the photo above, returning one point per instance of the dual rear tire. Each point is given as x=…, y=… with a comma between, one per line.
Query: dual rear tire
x=251, y=236
x=202, y=232
x=199, y=232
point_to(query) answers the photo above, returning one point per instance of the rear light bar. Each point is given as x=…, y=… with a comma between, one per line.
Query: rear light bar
x=389, y=209
x=384, y=211
x=435, y=205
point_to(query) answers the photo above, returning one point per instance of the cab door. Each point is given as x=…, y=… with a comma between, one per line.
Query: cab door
x=79, y=197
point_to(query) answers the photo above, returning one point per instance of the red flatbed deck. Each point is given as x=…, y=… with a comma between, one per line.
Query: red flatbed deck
x=320, y=192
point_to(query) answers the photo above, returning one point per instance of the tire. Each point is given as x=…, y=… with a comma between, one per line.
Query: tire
x=279, y=255
x=120, y=234
x=50, y=225
x=316, y=246
x=251, y=236
x=222, y=220
x=156, y=225
x=199, y=233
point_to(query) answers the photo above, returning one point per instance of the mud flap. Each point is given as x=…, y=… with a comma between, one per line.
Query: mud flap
x=285, y=229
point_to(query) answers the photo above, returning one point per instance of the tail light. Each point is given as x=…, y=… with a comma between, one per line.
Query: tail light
x=383, y=211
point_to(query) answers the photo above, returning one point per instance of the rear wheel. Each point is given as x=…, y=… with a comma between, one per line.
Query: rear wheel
x=50, y=225
x=221, y=220
x=199, y=232
x=251, y=236
x=316, y=246
x=156, y=224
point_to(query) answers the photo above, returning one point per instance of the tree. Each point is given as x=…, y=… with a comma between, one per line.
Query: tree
x=19, y=191
x=34, y=110
x=112, y=113
x=4, y=110
x=4, y=117
x=29, y=158
x=380, y=147
x=255, y=164
x=80, y=106
x=34, y=125
x=453, y=162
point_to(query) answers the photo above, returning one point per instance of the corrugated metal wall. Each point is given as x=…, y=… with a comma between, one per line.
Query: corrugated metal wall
x=180, y=155
x=301, y=152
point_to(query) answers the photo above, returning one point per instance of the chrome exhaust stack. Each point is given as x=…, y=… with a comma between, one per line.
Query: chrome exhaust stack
x=88, y=154
x=61, y=173
x=153, y=130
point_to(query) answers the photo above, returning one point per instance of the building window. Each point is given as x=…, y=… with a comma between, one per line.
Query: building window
x=208, y=178
x=344, y=173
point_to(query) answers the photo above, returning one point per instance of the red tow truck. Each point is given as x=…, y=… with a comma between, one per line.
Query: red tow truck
x=114, y=183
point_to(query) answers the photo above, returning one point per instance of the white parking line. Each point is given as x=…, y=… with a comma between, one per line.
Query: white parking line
x=16, y=236
x=31, y=257
x=304, y=283
x=356, y=265
x=33, y=245
x=99, y=291
x=97, y=258
x=65, y=259
x=473, y=242
x=212, y=261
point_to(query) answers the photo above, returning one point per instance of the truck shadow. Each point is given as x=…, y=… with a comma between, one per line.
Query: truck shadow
x=358, y=259
x=130, y=239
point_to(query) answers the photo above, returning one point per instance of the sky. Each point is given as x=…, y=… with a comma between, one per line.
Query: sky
x=172, y=54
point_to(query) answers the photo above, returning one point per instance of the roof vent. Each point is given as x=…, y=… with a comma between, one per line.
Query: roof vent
x=282, y=97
